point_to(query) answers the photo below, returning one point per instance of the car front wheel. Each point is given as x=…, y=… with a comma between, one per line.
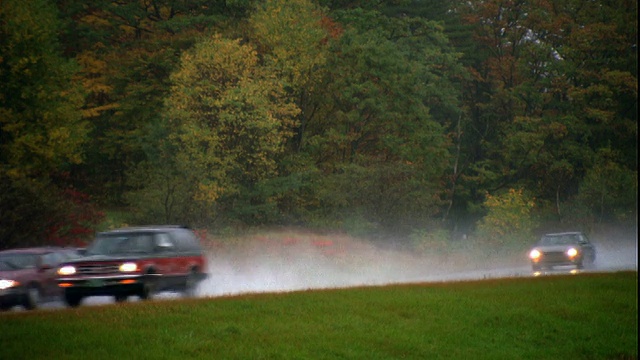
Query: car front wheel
x=590, y=260
x=191, y=284
x=146, y=290
x=536, y=267
x=32, y=297
x=72, y=300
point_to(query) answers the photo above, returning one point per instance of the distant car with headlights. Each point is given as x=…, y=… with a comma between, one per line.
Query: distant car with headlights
x=135, y=261
x=27, y=275
x=562, y=249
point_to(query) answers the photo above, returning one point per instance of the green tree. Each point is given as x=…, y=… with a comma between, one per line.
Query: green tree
x=609, y=190
x=557, y=86
x=41, y=126
x=293, y=37
x=228, y=119
x=127, y=51
x=381, y=146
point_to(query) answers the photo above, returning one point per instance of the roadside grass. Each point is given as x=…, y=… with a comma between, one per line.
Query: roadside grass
x=585, y=316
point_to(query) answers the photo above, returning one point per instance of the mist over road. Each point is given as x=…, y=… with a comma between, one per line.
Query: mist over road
x=348, y=263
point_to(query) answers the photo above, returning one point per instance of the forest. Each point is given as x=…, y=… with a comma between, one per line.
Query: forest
x=482, y=117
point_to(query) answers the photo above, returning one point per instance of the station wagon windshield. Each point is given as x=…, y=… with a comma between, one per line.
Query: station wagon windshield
x=559, y=240
x=121, y=244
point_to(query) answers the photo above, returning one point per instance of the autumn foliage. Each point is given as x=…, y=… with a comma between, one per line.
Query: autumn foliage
x=509, y=218
x=76, y=223
x=374, y=116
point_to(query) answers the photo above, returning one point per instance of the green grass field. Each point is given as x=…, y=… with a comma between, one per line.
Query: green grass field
x=587, y=316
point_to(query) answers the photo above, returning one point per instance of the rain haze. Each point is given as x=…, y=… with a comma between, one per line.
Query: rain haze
x=290, y=263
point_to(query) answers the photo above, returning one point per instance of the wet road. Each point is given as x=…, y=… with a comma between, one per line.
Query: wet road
x=254, y=270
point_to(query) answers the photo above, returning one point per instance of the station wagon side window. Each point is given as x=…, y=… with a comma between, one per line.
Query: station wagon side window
x=163, y=242
x=186, y=240
x=583, y=239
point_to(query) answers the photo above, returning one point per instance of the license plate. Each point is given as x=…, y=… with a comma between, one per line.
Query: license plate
x=95, y=283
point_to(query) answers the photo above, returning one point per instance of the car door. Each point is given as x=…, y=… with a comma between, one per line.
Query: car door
x=166, y=258
x=46, y=269
x=587, y=247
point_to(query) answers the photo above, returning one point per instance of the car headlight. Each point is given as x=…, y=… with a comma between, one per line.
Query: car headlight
x=535, y=254
x=128, y=267
x=67, y=270
x=5, y=284
x=572, y=252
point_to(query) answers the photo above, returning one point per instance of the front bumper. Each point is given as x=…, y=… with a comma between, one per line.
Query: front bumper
x=11, y=297
x=103, y=285
x=551, y=259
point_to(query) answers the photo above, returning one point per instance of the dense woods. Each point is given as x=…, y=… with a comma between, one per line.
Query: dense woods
x=480, y=117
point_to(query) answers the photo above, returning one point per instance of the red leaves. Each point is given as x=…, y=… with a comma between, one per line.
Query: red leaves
x=76, y=224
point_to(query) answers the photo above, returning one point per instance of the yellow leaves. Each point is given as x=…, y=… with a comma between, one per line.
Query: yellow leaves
x=508, y=214
x=230, y=117
x=291, y=33
x=96, y=20
x=208, y=193
x=97, y=110
x=94, y=80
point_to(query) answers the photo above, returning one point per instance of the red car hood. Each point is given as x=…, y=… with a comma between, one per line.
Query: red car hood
x=17, y=275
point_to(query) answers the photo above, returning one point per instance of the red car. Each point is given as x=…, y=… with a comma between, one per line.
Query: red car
x=137, y=261
x=28, y=276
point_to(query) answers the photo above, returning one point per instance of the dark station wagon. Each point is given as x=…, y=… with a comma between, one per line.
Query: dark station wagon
x=135, y=261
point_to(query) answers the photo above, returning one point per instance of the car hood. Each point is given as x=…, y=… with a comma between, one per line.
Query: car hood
x=17, y=274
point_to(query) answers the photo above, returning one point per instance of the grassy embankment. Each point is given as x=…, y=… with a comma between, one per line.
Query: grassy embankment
x=588, y=316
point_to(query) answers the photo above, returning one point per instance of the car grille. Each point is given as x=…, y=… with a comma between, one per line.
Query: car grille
x=97, y=269
x=555, y=257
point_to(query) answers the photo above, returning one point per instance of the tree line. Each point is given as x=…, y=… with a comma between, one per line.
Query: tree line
x=371, y=116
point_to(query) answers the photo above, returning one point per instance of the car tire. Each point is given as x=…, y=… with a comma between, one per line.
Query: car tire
x=120, y=298
x=146, y=290
x=72, y=300
x=590, y=260
x=191, y=284
x=32, y=297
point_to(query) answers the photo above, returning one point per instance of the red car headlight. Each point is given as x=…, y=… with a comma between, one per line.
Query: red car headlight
x=6, y=284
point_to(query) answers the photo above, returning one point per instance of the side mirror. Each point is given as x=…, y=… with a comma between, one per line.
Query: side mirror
x=42, y=266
